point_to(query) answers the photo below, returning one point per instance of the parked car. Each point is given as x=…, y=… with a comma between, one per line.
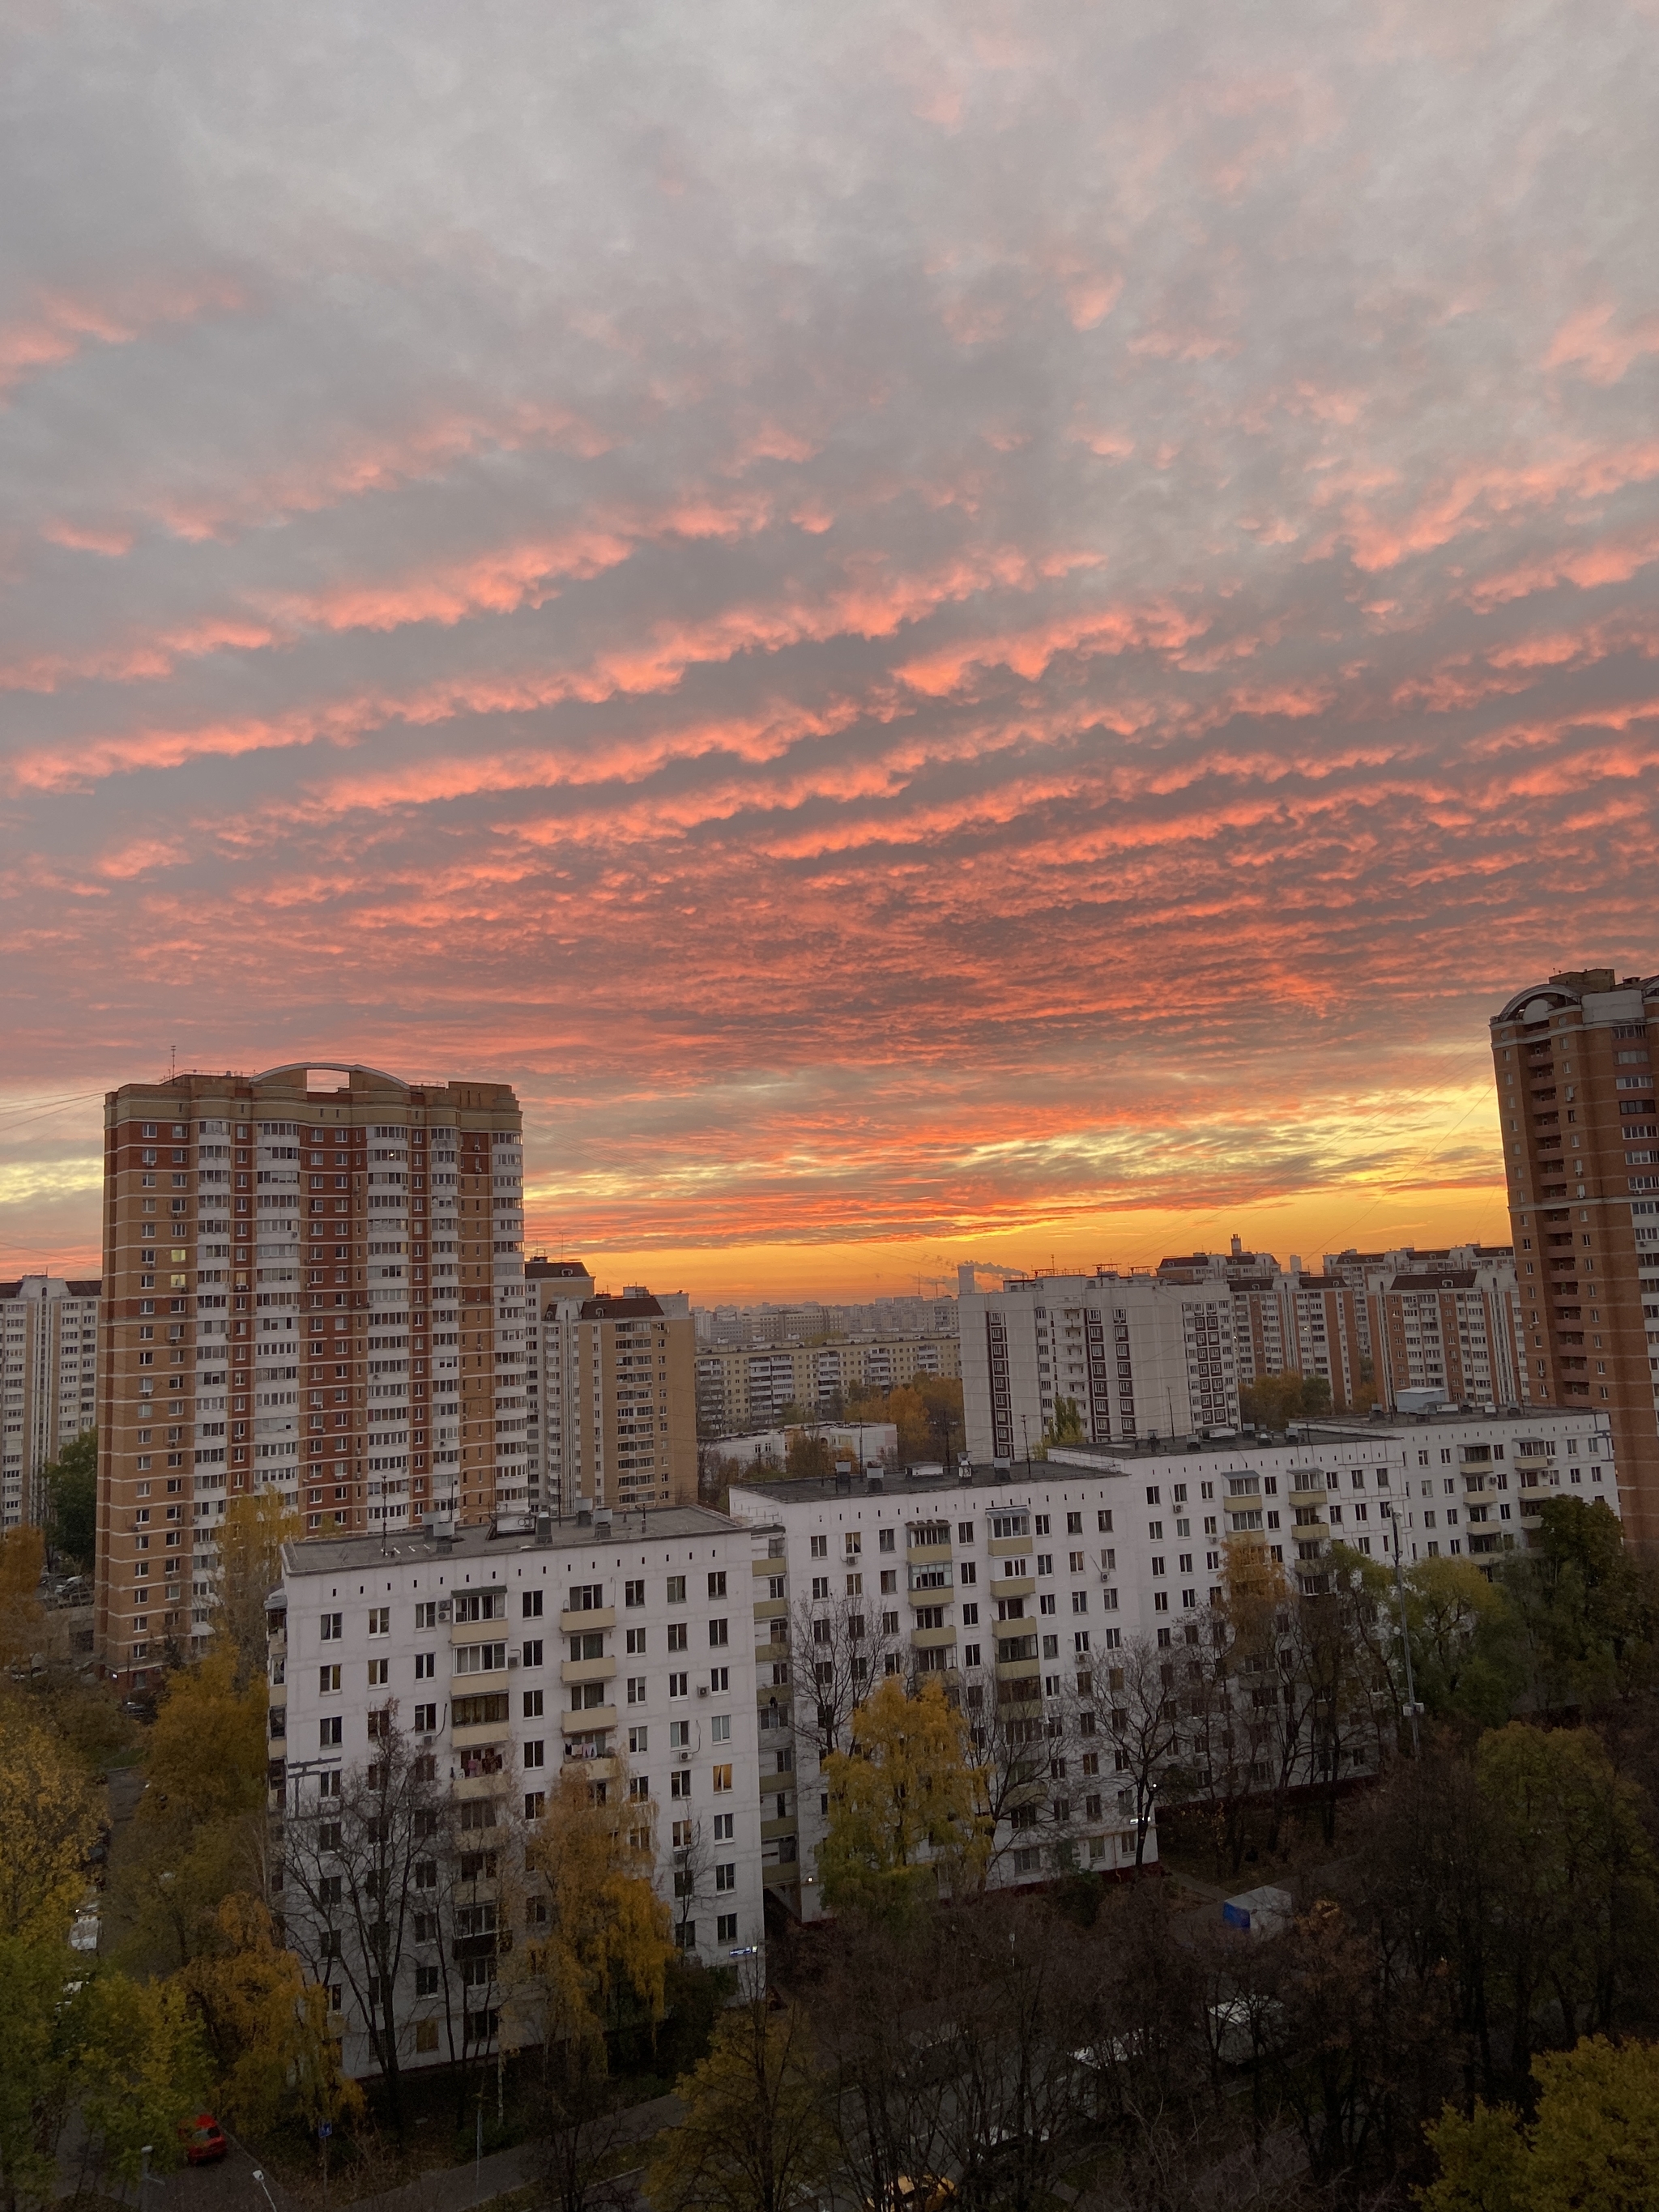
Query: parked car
x=203, y=2140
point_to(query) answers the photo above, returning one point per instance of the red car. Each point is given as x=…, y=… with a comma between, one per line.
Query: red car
x=203, y=2140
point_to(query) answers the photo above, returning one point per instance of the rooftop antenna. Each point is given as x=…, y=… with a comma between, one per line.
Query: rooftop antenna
x=172, y=1061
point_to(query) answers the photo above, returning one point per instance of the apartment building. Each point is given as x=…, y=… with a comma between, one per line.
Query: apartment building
x=614, y=1388
x=1448, y=1335
x=616, y=1649
x=805, y=1322
x=1041, y=1595
x=743, y=1387
x=1131, y=1356
x=1573, y=1062
x=313, y=1285
x=48, y=1383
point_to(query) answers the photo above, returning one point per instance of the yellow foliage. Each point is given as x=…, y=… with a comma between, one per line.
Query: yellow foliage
x=48, y=1823
x=23, y=1557
x=143, y=2067
x=905, y=1801
x=250, y=1540
x=757, y=2135
x=607, y=1934
x=206, y=1754
x=253, y=2004
x=1593, y=2146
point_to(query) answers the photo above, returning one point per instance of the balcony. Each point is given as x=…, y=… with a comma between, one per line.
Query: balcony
x=471, y=1739
x=1011, y=1586
x=932, y=1640
x=1009, y=1547
x=590, y=1720
x=586, y=1670
x=926, y=1555
x=573, y=1624
x=593, y=1766
x=771, y=1608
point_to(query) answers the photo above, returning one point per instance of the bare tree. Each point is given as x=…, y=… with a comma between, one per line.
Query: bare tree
x=1142, y=1721
x=357, y=1850
x=841, y=1647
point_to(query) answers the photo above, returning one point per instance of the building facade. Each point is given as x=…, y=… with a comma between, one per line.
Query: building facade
x=615, y=1388
x=313, y=1286
x=614, y=1649
x=1050, y=1599
x=48, y=1383
x=1131, y=1356
x=1573, y=1060
x=741, y=1389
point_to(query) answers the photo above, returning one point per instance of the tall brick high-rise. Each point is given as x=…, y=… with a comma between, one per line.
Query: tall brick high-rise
x=313, y=1284
x=1574, y=1059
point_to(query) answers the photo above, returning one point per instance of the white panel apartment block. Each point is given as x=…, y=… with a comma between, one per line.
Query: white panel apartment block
x=661, y=1695
x=1108, y=1545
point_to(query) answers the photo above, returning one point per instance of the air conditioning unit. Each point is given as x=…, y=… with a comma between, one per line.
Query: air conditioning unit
x=702, y=1689
x=512, y=1663
x=684, y=1758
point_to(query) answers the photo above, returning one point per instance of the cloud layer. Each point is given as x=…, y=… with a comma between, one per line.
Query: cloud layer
x=936, y=626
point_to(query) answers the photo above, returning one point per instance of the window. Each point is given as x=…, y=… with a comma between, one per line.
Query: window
x=636, y=1689
x=535, y=1754
x=722, y=1779
x=532, y=1705
x=634, y=1594
x=426, y=1720
x=679, y=1635
x=853, y=1543
x=679, y=1785
x=675, y=1596
x=330, y=1627
x=720, y=1729
x=725, y=1877
x=380, y=1620
x=820, y=1547
x=535, y=1804
x=718, y=1637
x=379, y=1672
x=586, y=1597
x=717, y=1585
x=885, y=1539
x=639, y=1738
x=964, y=1532
x=426, y=1666
x=679, y=1685
x=328, y=1681
x=1074, y=1524
x=1104, y=1520
x=1080, y=1601
x=533, y=1604
x=330, y=1732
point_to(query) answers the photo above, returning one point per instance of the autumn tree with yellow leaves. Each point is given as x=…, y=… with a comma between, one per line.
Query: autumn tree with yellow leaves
x=906, y=1804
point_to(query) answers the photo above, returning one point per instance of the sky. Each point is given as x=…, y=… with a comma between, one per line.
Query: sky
x=949, y=632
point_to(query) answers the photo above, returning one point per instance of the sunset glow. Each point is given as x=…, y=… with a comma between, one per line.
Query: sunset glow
x=949, y=633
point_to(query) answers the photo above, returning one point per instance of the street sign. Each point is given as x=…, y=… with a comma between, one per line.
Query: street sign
x=324, y=2127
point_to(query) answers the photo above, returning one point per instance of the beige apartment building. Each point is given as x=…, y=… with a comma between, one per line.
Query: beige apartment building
x=1573, y=1061
x=744, y=1388
x=312, y=1286
x=48, y=1383
x=611, y=1391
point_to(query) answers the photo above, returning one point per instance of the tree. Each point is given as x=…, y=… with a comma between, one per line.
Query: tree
x=265, y=2034
x=840, y=1648
x=199, y=1834
x=48, y=1824
x=361, y=1861
x=905, y=1803
x=1598, y=1605
x=22, y=1618
x=71, y=1487
x=595, y=1957
x=755, y=2137
x=1593, y=2146
x=1066, y=1426
x=1465, y=1635
x=1574, y=1906
x=1143, y=1721
x=252, y=1535
x=807, y=1454
x=141, y=2069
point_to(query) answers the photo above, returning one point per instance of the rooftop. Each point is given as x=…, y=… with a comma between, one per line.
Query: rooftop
x=328, y=1555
